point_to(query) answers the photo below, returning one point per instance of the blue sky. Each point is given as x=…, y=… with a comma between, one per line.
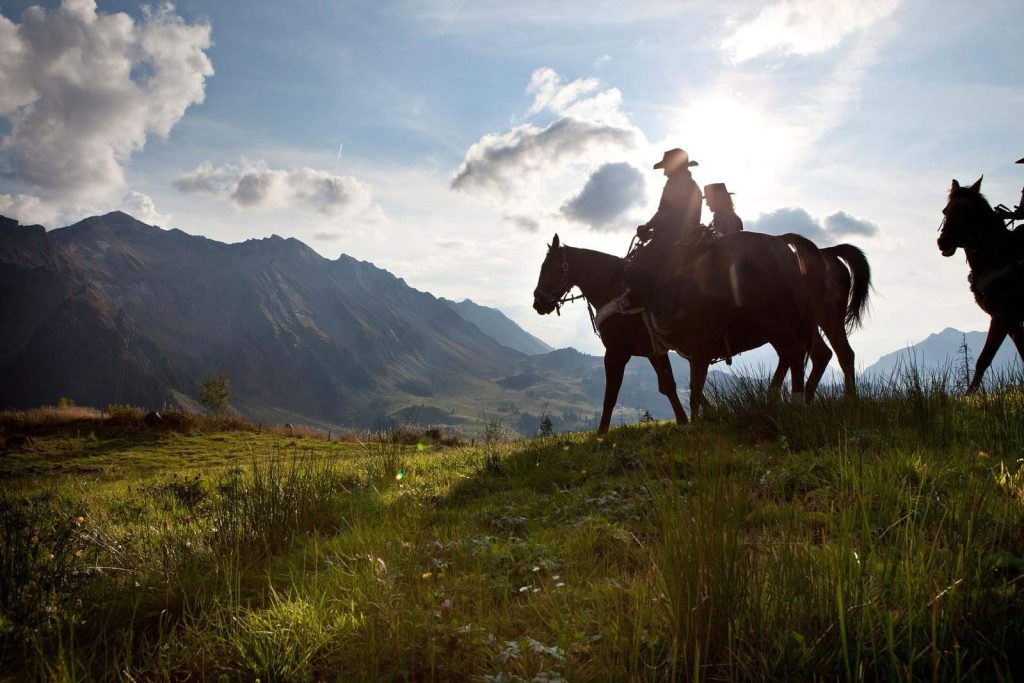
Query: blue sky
x=845, y=120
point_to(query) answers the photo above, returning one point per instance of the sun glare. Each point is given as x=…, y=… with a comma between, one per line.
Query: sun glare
x=738, y=142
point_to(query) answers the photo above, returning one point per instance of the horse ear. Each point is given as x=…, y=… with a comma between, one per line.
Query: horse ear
x=977, y=184
x=554, y=242
x=955, y=186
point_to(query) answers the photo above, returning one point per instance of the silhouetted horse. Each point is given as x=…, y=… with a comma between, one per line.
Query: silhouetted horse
x=742, y=291
x=848, y=278
x=996, y=257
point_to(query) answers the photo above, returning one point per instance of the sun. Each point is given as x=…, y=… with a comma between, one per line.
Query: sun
x=738, y=141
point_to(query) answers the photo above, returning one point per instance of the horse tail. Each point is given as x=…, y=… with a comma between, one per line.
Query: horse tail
x=860, y=281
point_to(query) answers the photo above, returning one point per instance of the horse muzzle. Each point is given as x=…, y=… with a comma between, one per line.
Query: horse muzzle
x=946, y=247
x=542, y=303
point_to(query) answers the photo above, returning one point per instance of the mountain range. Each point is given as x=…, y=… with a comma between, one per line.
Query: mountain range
x=111, y=310
x=945, y=351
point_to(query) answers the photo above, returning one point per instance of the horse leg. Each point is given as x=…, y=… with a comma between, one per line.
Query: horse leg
x=820, y=356
x=698, y=375
x=614, y=368
x=794, y=355
x=667, y=385
x=835, y=330
x=997, y=331
x=1017, y=336
x=775, y=386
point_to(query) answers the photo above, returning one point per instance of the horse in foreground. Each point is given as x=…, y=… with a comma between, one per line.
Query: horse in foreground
x=743, y=291
x=996, y=257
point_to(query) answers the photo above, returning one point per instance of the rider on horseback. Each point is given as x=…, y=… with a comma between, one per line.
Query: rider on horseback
x=719, y=199
x=676, y=222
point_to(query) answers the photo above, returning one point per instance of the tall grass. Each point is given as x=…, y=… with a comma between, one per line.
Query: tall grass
x=877, y=539
x=910, y=406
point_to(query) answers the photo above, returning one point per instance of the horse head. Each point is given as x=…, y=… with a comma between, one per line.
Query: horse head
x=554, y=282
x=966, y=212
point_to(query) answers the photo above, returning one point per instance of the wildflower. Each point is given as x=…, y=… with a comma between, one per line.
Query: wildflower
x=438, y=547
x=446, y=607
x=565, y=448
x=406, y=546
x=78, y=553
x=33, y=538
x=983, y=454
x=523, y=589
x=79, y=520
x=400, y=475
x=427, y=575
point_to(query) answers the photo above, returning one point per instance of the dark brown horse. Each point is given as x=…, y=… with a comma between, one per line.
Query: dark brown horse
x=848, y=278
x=740, y=292
x=599, y=278
x=996, y=257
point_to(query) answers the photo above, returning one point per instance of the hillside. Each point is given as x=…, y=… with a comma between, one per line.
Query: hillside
x=878, y=540
x=499, y=327
x=113, y=310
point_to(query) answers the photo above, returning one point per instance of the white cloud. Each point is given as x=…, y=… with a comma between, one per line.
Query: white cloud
x=255, y=185
x=551, y=93
x=609, y=193
x=589, y=127
x=824, y=232
x=504, y=162
x=141, y=206
x=82, y=90
x=27, y=209
x=803, y=27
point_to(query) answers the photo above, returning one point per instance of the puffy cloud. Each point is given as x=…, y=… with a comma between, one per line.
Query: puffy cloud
x=825, y=232
x=82, y=90
x=610, y=192
x=27, y=209
x=842, y=223
x=789, y=219
x=255, y=185
x=501, y=162
x=589, y=126
x=803, y=27
x=142, y=207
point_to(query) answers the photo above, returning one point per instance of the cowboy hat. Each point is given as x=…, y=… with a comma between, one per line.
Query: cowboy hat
x=712, y=188
x=675, y=157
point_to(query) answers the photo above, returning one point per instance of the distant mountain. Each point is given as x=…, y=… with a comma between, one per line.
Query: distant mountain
x=944, y=350
x=111, y=310
x=499, y=327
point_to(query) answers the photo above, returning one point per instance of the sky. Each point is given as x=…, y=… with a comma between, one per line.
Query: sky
x=449, y=141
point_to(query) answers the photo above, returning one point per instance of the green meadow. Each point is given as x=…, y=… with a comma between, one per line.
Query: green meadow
x=877, y=538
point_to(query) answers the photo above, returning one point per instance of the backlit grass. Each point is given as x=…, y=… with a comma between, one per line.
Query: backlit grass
x=844, y=540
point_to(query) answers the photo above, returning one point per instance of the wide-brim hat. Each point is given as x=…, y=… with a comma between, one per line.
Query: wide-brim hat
x=716, y=188
x=675, y=158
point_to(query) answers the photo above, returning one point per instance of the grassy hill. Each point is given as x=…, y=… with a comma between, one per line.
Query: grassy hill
x=876, y=539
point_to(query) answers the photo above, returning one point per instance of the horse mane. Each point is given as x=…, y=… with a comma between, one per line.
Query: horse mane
x=597, y=255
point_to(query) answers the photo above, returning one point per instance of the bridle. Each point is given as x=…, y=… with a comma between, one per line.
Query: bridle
x=563, y=286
